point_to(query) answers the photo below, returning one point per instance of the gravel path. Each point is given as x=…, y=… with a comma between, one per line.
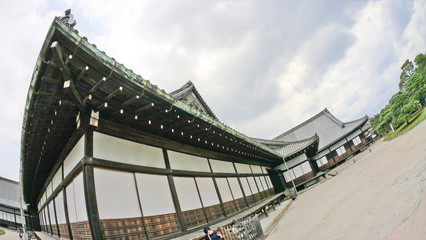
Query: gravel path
x=377, y=197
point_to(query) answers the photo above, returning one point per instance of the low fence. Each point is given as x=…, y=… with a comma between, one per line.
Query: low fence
x=248, y=229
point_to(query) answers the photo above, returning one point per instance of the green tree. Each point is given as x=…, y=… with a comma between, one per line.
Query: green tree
x=409, y=99
x=407, y=71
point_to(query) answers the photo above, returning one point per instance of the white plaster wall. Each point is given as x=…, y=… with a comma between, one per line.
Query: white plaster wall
x=49, y=189
x=256, y=169
x=75, y=156
x=154, y=189
x=243, y=168
x=60, y=211
x=252, y=185
x=52, y=214
x=116, y=194
x=125, y=151
x=224, y=190
x=187, y=193
x=235, y=187
x=262, y=186
x=306, y=167
x=338, y=144
x=76, y=201
x=57, y=178
x=354, y=134
x=222, y=166
x=246, y=187
x=207, y=191
x=297, y=160
x=181, y=161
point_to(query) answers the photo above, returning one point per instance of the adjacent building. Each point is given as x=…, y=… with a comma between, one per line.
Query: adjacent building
x=10, y=214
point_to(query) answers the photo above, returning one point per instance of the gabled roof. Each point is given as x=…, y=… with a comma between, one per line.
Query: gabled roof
x=184, y=94
x=287, y=149
x=9, y=193
x=328, y=127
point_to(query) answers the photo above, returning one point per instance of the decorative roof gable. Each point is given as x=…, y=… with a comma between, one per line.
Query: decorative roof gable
x=189, y=95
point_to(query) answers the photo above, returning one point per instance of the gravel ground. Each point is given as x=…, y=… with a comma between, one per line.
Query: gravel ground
x=377, y=197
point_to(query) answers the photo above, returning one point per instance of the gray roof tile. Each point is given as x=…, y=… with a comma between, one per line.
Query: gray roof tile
x=9, y=192
x=327, y=126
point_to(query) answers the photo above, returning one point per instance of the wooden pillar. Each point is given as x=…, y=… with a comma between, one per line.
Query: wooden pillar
x=64, y=191
x=201, y=200
x=89, y=187
x=140, y=207
x=174, y=193
x=56, y=217
x=217, y=190
x=241, y=185
x=50, y=221
x=255, y=182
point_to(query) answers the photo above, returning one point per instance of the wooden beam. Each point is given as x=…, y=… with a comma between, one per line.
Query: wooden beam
x=89, y=188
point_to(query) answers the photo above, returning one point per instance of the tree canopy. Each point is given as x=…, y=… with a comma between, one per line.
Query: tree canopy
x=410, y=98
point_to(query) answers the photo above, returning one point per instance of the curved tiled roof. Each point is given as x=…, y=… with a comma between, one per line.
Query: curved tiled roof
x=188, y=88
x=328, y=127
x=288, y=148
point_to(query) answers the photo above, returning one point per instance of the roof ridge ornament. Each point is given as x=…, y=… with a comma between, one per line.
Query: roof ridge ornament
x=68, y=19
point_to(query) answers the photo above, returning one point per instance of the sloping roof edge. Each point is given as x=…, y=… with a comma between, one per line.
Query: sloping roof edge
x=323, y=112
x=189, y=86
x=361, y=123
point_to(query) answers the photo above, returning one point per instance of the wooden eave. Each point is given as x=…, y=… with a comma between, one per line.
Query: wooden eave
x=53, y=105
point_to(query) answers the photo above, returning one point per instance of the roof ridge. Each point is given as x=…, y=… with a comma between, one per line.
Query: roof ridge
x=9, y=180
x=356, y=120
x=303, y=123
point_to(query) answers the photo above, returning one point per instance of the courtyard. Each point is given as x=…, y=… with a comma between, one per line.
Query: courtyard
x=379, y=194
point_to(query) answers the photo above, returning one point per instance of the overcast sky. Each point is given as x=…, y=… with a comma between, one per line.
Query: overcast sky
x=262, y=66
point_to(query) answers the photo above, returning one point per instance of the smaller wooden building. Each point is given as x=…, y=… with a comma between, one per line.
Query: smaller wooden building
x=10, y=214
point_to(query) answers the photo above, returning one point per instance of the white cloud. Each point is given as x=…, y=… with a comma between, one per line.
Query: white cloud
x=263, y=67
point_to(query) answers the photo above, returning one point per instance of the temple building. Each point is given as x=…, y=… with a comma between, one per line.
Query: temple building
x=106, y=154
x=10, y=214
x=317, y=144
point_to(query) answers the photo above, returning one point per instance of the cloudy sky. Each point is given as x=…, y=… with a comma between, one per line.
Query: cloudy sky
x=262, y=66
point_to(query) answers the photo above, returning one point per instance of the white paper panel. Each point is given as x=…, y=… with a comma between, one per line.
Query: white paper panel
x=75, y=156
x=57, y=178
x=354, y=134
x=187, y=162
x=243, y=168
x=60, y=211
x=187, y=193
x=245, y=185
x=76, y=201
x=222, y=166
x=153, y=194
x=116, y=194
x=306, y=167
x=288, y=177
x=256, y=169
x=235, y=187
x=125, y=151
x=260, y=184
x=49, y=189
x=207, y=191
x=252, y=185
x=52, y=214
x=224, y=190
x=297, y=171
